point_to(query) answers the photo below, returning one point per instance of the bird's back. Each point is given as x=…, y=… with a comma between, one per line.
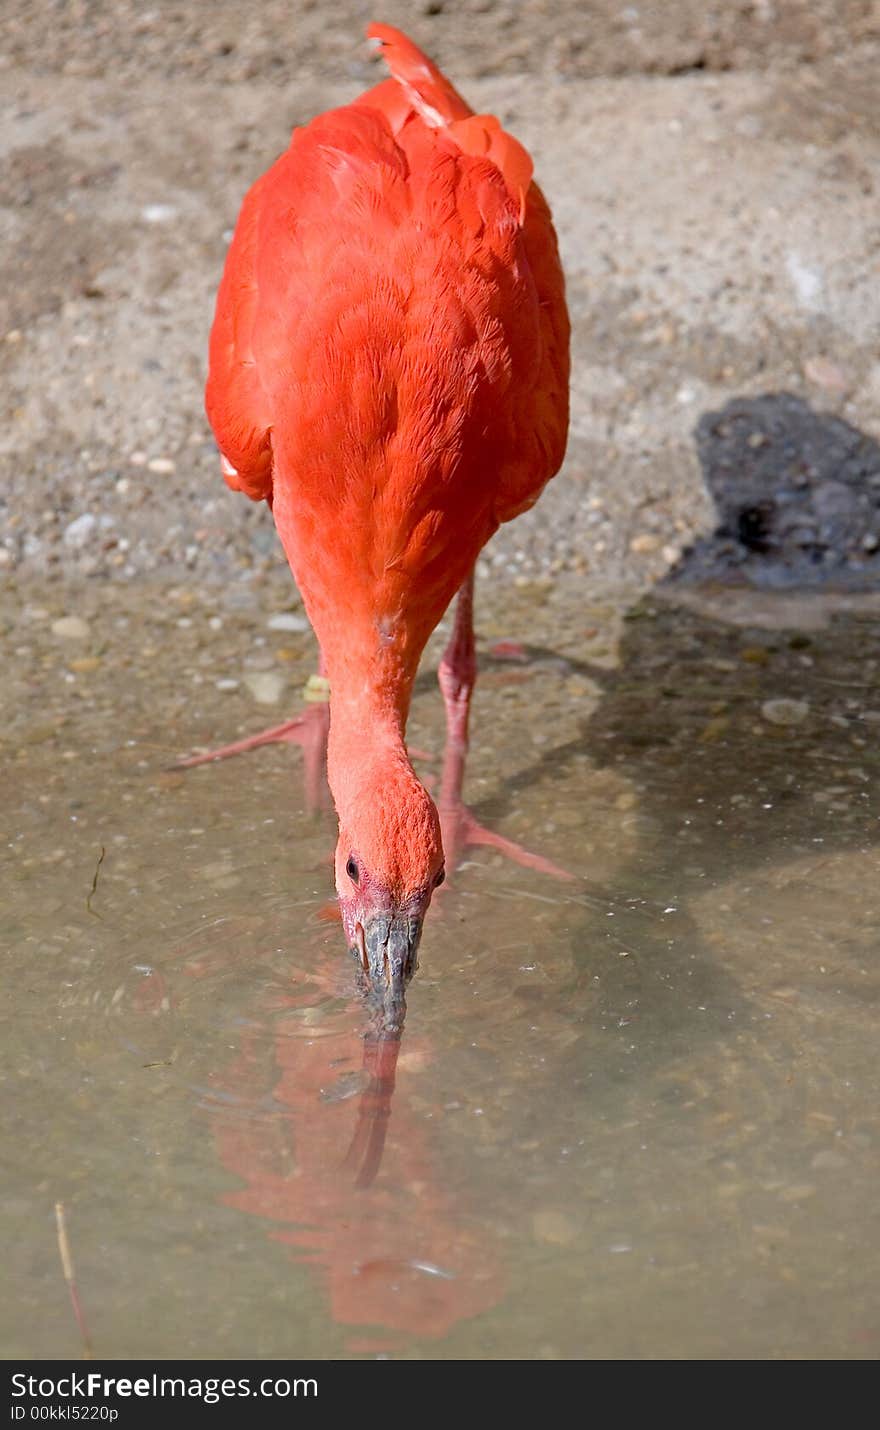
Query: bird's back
x=389, y=358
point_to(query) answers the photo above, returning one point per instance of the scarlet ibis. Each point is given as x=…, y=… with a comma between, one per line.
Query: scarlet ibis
x=388, y=369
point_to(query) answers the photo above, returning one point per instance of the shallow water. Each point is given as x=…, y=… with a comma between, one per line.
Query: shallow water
x=635, y=1115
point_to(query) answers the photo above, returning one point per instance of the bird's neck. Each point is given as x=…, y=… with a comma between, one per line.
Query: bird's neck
x=368, y=712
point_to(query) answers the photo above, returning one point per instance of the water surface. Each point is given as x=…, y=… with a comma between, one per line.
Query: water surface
x=635, y=1115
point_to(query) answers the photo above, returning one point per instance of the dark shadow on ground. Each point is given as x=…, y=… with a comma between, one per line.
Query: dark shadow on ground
x=747, y=719
x=797, y=494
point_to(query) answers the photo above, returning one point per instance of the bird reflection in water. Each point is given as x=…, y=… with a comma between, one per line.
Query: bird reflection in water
x=334, y=1152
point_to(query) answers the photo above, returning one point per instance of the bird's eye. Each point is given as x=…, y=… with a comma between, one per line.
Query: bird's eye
x=352, y=870
x=440, y=878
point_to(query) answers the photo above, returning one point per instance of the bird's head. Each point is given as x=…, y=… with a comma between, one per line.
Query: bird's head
x=389, y=861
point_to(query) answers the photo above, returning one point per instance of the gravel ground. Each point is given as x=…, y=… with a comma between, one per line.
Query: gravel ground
x=714, y=179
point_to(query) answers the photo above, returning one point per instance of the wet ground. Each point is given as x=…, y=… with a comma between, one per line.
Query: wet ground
x=635, y=1115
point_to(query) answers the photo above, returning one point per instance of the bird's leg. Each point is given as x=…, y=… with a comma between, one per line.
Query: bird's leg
x=457, y=676
x=458, y=673
x=309, y=729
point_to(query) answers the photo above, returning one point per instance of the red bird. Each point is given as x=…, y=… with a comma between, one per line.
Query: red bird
x=389, y=371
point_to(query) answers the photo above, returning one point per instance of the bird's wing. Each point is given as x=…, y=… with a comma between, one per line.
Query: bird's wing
x=235, y=400
x=276, y=256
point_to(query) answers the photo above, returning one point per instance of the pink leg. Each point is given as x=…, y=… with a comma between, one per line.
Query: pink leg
x=310, y=730
x=458, y=670
x=457, y=676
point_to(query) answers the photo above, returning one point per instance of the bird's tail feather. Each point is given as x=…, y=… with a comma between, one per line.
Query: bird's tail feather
x=441, y=106
x=429, y=91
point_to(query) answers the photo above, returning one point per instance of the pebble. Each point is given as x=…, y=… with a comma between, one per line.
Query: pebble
x=227, y=684
x=158, y=213
x=71, y=628
x=715, y=728
x=553, y=1227
x=287, y=621
x=217, y=870
x=797, y=1193
x=266, y=686
x=807, y=282
x=577, y=686
x=646, y=543
x=80, y=530
x=160, y=464
x=826, y=374
x=785, y=712
x=316, y=689
x=829, y=1161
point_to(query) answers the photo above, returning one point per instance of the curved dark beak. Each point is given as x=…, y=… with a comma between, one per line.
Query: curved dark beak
x=389, y=952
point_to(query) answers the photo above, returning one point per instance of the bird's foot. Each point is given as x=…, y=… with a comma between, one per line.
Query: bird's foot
x=509, y=650
x=292, y=732
x=309, y=730
x=461, y=829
